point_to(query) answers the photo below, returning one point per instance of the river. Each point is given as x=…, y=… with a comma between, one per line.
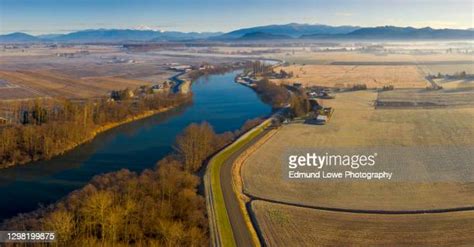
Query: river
x=135, y=146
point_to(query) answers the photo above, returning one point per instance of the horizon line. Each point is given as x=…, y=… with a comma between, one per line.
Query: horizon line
x=64, y=32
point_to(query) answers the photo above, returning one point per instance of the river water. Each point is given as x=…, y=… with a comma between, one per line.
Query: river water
x=138, y=145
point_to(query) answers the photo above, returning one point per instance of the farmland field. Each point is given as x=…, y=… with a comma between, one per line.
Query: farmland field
x=39, y=72
x=81, y=71
x=348, y=75
x=18, y=93
x=304, y=56
x=464, y=85
x=48, y=83
x=356, y=125
x=448, y=68
x=423, y=137
x=452, y=94
x=283, y=225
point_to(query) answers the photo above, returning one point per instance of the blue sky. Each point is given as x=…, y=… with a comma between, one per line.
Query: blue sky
x=62, y=16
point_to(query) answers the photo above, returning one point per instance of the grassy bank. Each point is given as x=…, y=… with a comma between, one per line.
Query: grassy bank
x=221, y=229
x=238, y=185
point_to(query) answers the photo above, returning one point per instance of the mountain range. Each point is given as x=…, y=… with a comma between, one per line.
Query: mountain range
x=400, y=33
x=293, y=30
x=18, y=37
x=106, y=36
x=271, y=32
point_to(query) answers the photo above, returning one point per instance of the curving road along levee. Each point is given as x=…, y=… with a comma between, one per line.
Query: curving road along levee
x=228, y=224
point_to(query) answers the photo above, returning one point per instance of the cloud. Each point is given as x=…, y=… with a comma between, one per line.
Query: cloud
x=344, y=14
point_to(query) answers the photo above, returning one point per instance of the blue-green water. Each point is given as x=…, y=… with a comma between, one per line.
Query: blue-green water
x=135, y=146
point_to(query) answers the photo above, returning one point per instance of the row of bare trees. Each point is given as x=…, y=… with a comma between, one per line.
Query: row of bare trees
x=217, y=69
x=158, y=207
x=272, y=94
x=42, y=129
x=197, y=142
x=300, y=105
x=260, y=68
x=279, y=95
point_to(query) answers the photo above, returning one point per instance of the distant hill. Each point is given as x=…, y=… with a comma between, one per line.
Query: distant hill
x=106, y=35
x=400, y=33
x=271, y=32
x=294, y=30
x=262, y=36
x=18, y=38
x=120, y=35
x=179, y=36
x=49, y=36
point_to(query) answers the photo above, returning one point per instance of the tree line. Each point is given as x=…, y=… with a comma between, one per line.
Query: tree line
x=260, y=68
x=278, y=96
x=272, y=94
x=41, y=129
x=158, y=207
x=217, y=69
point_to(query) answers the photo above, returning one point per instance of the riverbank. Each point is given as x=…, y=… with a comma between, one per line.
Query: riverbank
x=134, y=146
x=182, y=89
x=98, y=130
x=19, y=148
x=248, y=80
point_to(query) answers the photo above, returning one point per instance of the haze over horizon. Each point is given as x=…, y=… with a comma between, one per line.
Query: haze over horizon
x=54, y=16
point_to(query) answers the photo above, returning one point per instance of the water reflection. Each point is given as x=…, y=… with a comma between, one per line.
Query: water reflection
x=135, y=146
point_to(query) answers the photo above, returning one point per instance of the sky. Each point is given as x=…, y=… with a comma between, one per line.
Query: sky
x=64, y=16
